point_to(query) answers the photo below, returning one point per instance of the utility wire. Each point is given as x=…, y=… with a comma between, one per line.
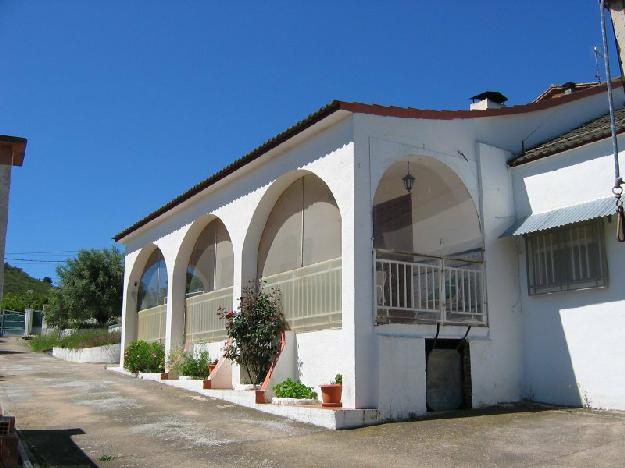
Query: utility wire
x=32, y=260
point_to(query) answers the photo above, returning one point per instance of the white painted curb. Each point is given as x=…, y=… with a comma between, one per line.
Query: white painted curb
x=107, y=354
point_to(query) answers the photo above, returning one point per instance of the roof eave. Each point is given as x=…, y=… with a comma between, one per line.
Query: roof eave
x=17, y=148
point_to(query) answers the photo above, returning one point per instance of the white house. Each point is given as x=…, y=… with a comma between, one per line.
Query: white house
x=445, y=295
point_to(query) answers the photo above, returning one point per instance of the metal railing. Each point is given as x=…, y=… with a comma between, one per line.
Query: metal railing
x=411, y=288
x=151, y=323
x=202, y=321
x=311, y=295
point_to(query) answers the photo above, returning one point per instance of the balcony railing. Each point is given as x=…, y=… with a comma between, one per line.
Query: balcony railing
x=202, y=321
x=411, y=288
x=311, y=295
x=151, y=323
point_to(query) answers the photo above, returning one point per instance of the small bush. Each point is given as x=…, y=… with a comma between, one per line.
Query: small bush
x=292, y=389
x=196, y=367
x=175, y=359
x=182, y=363
x=78, y=339
x=144, y=357
x=255, y=331
x=338, y=379
x=43, y=343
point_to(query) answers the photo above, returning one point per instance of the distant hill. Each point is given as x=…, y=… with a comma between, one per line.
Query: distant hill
x=17, y=284
x=17, y=280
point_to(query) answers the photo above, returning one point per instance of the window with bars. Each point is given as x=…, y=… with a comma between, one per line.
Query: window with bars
x=567, y=258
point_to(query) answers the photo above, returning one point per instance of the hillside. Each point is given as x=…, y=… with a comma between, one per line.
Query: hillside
x=17, y=287
x=18, y=281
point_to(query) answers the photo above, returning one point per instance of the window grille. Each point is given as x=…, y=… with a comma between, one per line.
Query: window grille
x=567, y=258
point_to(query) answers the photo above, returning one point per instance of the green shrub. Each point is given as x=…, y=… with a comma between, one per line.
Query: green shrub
x=78, y=339
x=180, y=362
x=292, y=389
x=141, y=356
x=338, y=379
x=196, y=367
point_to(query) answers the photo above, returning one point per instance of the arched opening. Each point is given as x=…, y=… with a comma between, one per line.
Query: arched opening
x=428, y=246
x=209, y=279
x=299, y=252
x=152, y=299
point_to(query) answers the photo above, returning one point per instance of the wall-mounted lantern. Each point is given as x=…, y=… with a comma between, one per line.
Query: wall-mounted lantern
x=408, y=180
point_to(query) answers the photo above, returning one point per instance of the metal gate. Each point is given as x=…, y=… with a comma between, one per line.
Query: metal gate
x=11, y=323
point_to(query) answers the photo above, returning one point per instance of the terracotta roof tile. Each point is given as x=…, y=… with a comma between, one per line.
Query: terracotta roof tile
x=594, y=130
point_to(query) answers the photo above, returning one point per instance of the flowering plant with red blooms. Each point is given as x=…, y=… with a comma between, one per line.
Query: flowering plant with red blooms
x=255, y=330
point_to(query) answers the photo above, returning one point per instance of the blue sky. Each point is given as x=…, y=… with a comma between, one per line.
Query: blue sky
x=126, y=104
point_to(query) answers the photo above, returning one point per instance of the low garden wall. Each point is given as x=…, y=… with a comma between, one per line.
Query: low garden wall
x=104, y=354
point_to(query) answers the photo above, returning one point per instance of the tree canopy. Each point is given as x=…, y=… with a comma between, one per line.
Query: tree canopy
x=90, y=287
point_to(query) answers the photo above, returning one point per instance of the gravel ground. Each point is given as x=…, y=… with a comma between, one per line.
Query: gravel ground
x=83, y=415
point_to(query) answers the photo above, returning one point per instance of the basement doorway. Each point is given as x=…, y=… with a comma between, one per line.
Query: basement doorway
x=448, y=375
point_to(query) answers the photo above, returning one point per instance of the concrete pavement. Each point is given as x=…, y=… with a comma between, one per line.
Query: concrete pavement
x=83, y=415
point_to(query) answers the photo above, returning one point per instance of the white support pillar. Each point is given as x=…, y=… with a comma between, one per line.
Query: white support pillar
x=28, y=321
x=170, y=246
x=360, y=360
x=129, y=301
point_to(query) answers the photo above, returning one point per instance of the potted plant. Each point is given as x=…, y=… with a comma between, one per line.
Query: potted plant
x=331, y=393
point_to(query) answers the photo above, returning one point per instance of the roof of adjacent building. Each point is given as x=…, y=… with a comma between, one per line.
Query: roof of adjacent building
x=555, y=91
x=595, y=130
x=12, y=150
x=358, y=108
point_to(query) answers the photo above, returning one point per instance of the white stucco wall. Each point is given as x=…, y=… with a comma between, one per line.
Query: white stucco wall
x=497, y=362
x=496, y=354
x=401, y=377
x=243, y=204
x=350, y=153
x=574, y=341
x=319, y=357
x=215, y=349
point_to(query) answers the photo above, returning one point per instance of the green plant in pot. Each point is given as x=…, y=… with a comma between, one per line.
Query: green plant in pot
x=331, y=393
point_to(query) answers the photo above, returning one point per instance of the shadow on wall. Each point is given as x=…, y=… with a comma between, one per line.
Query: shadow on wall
x=549, y=370
x=570, y=337
x=55, y=448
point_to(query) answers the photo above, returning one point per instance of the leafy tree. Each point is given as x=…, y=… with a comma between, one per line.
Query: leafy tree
x=255, y=331
x=90, y=287
x=47, y=279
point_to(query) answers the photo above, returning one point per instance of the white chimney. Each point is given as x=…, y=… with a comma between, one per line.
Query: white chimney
x=488, y=100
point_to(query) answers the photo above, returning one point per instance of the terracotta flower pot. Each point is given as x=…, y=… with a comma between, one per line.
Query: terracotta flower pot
x=260, y=397
x=164, y=376
x=206, y=384
x=331, y=395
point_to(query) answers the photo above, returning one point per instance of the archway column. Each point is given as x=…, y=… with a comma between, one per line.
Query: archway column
x=129, y=303
x=360, y=384
x=176, y=280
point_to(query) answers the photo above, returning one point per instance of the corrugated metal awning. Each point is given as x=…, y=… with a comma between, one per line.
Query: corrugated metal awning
x=563, y=216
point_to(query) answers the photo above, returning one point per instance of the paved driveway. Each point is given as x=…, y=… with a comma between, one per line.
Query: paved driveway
x=81, y=414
